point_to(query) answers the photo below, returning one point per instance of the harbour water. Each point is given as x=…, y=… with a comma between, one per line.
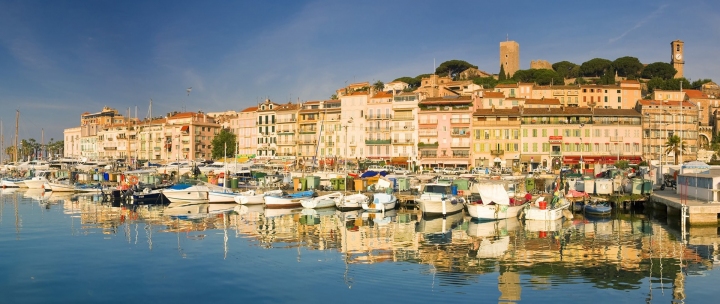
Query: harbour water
x=78, y=249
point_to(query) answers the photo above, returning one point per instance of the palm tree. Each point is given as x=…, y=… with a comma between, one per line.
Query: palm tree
x=378, y=86
x=675, y=145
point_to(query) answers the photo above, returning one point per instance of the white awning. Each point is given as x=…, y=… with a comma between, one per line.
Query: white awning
x=497, y=160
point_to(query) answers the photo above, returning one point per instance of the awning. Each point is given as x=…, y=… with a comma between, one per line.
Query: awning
x=399, y=161
x=497, y=160
x=530, y=158
x=185, y=129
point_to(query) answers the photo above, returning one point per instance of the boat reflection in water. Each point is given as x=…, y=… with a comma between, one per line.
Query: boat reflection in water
x=610, y=253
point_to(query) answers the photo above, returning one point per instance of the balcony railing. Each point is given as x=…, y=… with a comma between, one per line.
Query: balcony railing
x=404, y=117
x=555, y=153
x=460, y=134
x=460, y=120
x=286, y=142
x=428, y=122
x=461, y=156
x=286, y=131
x=329, y=144
x=308, y=130
x=428, y=145
x=378, y=116
x=110, y=148
x=407, y=141
x=497, y=152
x=616, y=138
x=375, y=129
x=377, y=141
x=428, y=155
x=433, y=133
x=284, y=120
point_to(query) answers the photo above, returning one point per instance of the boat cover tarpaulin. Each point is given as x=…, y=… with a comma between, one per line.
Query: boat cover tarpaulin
x=373, y=173
x=493, y=193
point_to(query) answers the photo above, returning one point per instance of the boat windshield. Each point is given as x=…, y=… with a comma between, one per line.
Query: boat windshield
x=442, y=189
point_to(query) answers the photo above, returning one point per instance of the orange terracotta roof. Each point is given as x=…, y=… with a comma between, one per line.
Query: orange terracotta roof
x=667, y=103
x=250, y=109
x=694, y=93
x=359, y=93
x=493, y=95
x=557, y=111
x=382, y=94
x=546, y=101
x=507, y=85
x=616, y=112
x=497, y=112
x=629, y=81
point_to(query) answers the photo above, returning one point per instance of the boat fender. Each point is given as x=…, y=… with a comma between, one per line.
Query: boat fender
x=454, y=201
x=146, y=190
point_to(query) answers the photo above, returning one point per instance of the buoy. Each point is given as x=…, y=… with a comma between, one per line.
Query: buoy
x=133, y=180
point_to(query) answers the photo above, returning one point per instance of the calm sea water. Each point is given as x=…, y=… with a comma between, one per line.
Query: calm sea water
x=76, y=249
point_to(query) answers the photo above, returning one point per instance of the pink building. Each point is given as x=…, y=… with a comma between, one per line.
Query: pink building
x=444, y=134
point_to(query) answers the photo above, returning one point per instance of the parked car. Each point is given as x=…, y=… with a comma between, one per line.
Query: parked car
x=389, y=169
x=376, y=168
x=400, y=170
x=460, y=170
x=438, y=170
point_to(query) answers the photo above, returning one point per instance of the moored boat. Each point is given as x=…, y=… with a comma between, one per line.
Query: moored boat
x=352, y=202
x=597, y=209
x=546, y=211
x=437, y=199
x=186, y=193
x=288, y=200
x=323, y=201
x=251, y=197
x=494, y=203
x=380, y=203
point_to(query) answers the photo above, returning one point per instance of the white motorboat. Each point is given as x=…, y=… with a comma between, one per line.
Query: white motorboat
x=12, y=183
x=221, y=195
x=495, y=203
x=186, y=193
x=39, y=180
x=437, y=199
x=61, y=186
x=352, y=202
x=288, y=200
x=546, y=211
x=323, y=201
x=251, y=197
x=380, y=203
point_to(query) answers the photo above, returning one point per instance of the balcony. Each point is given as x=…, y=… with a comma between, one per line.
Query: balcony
x=156, y=148
x=329, y=144
x=404, y=117
x=286, y=120
x=286, y=143
x=432, y=133
x=110, y=148
x=428, y=122
x=377, y=141
x=497, y=152
x=310, y=119
x=460, y=120
x=407, y=141
x=374, y=129
x=308, y=130
x=405, y=128
x=555, y=153
x=465, y=145
x=460, y=134
x=378, y=116
x=616, y=139
x=428, y=155
x=286, y=132
x=428, y=145
x=307, y=141
x=461, y=156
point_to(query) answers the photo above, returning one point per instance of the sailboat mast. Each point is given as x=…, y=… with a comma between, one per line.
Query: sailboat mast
x=17, y=125
x=42, y=141
x=2, y=142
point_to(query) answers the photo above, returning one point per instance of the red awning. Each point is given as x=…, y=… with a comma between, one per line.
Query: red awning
x=589, y=159
x=185, y=129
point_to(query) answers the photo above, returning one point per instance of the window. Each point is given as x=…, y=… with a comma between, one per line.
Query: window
x=525, y=147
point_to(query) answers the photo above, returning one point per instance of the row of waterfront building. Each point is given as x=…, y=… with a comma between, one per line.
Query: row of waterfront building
x=441, y=123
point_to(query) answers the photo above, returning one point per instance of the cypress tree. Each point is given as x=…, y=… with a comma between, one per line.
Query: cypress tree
x=502, y=75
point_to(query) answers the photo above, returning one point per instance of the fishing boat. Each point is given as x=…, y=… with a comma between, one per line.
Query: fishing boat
x=352, y=202
x=251, y=197
x=597, y=208
x=185, y=192
x=546, y=211
x=437, y=199
x=287, y=200
x=221, y=195
x=380, y=203
x=323, y=201
x=494, y=203
x=438, y=230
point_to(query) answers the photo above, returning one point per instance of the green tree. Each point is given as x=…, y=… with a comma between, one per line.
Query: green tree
x=486, y=82
x=608, y=77
x=378, y=86
x=595, y=67
x=539, y=76
x=580, y=81
x=622, y=164
x=697, y=84
x=502, y=75
x=675, y=145
x=412, y=82
x=627, y=66
x=566, y=69
x=659, y=69
x=219, y=144
x=453, y=67
x=334, y=97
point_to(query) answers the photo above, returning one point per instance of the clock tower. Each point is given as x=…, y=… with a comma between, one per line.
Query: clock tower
x=678, y=58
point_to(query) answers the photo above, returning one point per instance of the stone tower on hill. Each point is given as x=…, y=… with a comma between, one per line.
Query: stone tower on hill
x=678, y=57
x=510, y=56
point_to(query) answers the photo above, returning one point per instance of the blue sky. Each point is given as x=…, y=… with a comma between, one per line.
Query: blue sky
x=59, y=59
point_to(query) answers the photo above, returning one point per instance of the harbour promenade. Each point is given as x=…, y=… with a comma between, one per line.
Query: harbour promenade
x=699, y=212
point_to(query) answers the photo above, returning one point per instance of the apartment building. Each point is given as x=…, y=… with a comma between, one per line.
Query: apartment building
x=286, y=131
x=662, y=120
x=404, y=129
x=267, y=137
x=496, y=138
x=444, y=135
x=247, y=136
